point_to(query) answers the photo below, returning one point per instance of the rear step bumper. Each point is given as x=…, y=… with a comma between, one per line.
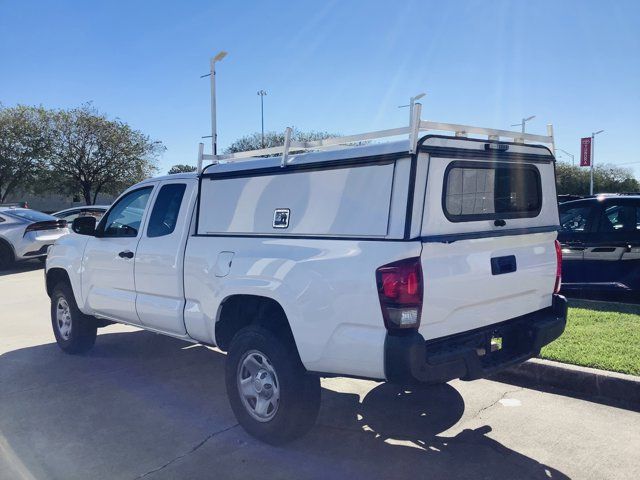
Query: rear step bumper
x=468, y=356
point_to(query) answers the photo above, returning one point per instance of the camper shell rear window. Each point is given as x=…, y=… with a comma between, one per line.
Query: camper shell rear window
x=489, y=191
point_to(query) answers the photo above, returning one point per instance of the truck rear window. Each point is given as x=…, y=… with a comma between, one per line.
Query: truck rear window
x=487, y=191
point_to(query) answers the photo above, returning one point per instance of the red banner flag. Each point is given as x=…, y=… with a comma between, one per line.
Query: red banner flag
x=585, y=152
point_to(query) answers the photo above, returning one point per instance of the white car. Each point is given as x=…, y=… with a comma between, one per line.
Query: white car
x=412, y=261
x=26, y=234
x=70, y=214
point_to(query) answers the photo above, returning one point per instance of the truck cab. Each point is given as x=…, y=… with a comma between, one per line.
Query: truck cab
x=140, y=241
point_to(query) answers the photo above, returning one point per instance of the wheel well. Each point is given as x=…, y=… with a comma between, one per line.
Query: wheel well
x=239, y=311
x=55, y=276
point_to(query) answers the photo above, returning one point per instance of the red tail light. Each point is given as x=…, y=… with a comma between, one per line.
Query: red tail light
x=45, y=225
x=400, y=293
x=558, y=285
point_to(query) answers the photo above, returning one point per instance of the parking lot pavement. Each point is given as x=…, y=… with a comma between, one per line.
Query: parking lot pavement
x=147, y=406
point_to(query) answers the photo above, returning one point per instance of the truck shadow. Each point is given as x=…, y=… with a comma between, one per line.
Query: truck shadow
x=394, y=432
x=141, y=404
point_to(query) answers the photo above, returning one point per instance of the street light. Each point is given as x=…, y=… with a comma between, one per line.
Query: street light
x=212, y=73
x=262, y=93
x=593, y=153
x=571, y=155
x=524, y=120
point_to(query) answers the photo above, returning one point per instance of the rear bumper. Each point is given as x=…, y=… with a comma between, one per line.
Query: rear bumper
x=35, y=244
x=409, y=358
x=38, y=253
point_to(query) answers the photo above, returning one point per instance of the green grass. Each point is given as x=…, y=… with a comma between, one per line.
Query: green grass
x=602, y=335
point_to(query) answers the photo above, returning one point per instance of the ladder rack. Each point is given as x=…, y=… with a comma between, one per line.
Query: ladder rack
x=414, y=129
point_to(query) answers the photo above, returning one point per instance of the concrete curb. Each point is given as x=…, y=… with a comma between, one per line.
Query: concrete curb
x=589, y=382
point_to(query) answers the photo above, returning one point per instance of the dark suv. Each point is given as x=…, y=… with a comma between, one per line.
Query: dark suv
x=600, y=238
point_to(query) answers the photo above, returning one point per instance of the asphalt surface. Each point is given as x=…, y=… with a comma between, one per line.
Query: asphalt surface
x=141, y=405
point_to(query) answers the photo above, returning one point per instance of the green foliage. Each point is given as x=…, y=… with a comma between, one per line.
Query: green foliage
x=25, y=140
x=600, y=335
x=75, y=151
x=182, y=168
x=91, y=153
x=274, y=139
x=606, y=179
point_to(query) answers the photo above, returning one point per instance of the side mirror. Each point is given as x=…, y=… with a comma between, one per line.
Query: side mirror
x=84, y=225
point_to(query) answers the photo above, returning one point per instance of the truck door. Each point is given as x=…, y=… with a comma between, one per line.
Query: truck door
x=108, y=262
x=160, y=257
x=612, y=251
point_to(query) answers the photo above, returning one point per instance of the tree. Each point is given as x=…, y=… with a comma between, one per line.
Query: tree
x=24, y=144
x=182, y=168
x=572, y=180
x=274, y=139
x=91, y=154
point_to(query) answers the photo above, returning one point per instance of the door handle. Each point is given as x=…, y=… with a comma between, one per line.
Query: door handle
x=126, y=254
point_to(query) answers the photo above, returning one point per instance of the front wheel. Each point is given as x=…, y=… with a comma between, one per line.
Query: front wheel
x=271, y=394
x=75, y=332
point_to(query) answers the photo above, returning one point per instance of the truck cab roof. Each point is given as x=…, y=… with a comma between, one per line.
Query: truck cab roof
x=173, y=176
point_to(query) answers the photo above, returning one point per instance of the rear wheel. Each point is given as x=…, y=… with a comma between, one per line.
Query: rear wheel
x=75, y=332
x=6, y=256
x=271, y=394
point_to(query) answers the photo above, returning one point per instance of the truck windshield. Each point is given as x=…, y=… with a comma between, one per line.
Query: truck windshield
x=485, y=191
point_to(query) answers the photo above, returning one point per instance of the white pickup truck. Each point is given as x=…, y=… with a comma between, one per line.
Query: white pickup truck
x=407, y=261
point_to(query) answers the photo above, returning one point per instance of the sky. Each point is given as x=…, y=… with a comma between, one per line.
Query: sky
x=339, y=66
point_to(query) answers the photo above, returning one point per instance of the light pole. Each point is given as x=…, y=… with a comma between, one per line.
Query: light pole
x=212, y=74
x=593, y=152
x=524, y=120
x=571, y=155
x=262, y=93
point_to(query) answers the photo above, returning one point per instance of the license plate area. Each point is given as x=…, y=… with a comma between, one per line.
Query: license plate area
x=502, y=344
x=493, y=342
x=491, y=345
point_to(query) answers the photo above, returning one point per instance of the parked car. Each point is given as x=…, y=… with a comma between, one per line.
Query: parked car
x=402, y=262
x=26, y=234
x=569, y=198
x=600, y=238
x=70, y=214
x=15, y=205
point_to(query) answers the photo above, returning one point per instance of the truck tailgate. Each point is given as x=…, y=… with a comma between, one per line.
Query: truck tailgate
x=462, y=291
x=488, y=230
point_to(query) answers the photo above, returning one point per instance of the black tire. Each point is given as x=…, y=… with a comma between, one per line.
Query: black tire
x=79, y=335
x=6, y=256
x=299, y=392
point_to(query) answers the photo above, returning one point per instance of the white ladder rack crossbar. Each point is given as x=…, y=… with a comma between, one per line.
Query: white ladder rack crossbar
x=312, y=145
x=517, y=137
x=412, y=130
